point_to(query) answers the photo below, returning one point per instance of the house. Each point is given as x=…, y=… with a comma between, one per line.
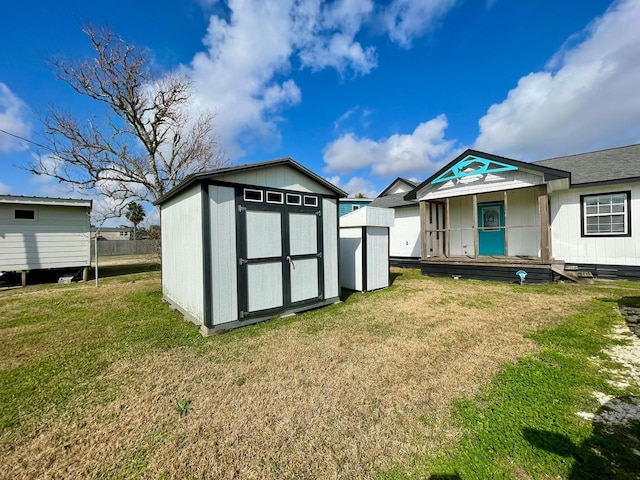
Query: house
x=41, y=233
x=487, y=217
x=113, y=233
x=348, y=205
x=404, y=235
x=247, y=243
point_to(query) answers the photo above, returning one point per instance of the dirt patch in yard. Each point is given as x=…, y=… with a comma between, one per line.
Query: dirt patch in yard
x=334, y=393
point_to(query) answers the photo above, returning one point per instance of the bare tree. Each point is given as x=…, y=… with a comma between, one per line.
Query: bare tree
x=147, y=141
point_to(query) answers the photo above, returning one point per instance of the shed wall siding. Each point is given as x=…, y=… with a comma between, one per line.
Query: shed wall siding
x=279, y=176
x=481, y=184
x=404, y=236
x=568, y=245
x=224, y=272
x=58, y=238
x=182, y=252
x=377, y=258
x=351, y=258
x=330, y=254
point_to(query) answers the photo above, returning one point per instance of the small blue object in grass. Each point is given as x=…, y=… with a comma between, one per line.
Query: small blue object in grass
x=522, y=274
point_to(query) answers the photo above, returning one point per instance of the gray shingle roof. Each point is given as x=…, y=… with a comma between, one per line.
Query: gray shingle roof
x=395, y=200
x=612, y=165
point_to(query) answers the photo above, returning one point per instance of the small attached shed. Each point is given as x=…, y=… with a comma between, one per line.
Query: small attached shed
x=364, y=249
x=41, y=233
x=247, y=243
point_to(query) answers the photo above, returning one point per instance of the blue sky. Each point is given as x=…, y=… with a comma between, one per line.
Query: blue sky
x=358, y=91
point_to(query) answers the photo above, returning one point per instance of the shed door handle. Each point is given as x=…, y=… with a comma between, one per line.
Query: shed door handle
x=290, y=261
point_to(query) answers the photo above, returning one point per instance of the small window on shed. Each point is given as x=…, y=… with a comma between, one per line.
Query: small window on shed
x=294, y=199
x=275, y=197
x=310, y=201
x=23, y=214
x=252, y=195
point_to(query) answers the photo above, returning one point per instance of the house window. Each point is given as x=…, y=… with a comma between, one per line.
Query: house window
x=24, y=214
x=607, y=215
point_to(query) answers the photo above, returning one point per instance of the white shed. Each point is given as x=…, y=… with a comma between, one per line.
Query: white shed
x=38, y=233
x=364, y=248
x=247, y=243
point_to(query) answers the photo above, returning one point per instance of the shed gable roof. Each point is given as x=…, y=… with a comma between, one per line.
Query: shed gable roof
x=210, y=175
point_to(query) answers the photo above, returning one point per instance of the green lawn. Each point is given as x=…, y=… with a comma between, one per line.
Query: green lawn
x=431, y=378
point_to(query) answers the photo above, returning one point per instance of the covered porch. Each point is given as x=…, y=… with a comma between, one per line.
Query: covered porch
x=487, y=217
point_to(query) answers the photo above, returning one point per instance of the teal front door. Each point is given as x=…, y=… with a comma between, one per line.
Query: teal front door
x=491, y=228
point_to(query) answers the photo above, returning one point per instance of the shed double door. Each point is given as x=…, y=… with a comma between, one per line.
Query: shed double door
x=280, y=262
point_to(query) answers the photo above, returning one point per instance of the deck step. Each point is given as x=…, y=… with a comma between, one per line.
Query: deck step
x=573, y=274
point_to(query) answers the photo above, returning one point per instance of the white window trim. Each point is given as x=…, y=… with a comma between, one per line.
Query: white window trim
x=626, y=213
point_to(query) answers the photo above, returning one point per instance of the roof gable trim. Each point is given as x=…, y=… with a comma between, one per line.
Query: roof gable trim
x=472, y=165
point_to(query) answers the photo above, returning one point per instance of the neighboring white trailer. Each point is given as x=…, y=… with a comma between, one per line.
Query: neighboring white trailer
x=364, y=248
x=41, y=233
x=248, y=243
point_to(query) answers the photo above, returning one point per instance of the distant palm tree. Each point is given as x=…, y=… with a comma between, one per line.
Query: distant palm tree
x=135, y=214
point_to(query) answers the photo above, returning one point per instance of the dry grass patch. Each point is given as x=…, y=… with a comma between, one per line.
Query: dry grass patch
x=335, y=393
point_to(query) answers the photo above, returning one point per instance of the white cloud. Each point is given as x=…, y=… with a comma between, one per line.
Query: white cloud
x=355, y=185
x=13, y=112
x=587, y=98
x=243, y=73
x=418, y=152
x=406, y=19
x=4, y=189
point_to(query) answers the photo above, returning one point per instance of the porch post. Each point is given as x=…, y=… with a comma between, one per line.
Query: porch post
x=447, y=228
x=475, y=226
x=506, y=230
x=545, y=232
x=423, y=229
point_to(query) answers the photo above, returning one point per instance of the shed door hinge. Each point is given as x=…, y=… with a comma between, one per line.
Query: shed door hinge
x=243, y=261
x=319, y=254
x=242, y=209
x=319, y=213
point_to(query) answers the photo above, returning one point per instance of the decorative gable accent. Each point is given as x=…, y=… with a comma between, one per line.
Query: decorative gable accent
x=472, y=165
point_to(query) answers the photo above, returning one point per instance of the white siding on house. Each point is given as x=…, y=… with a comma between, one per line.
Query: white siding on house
x=58, y=237
x=404, y=236
x=481, y=184
x=279, y=176
x=568, y=245
x=399, y=187
x=224, y=274
x=522, y=221
x=182, y=261
x=461, y=215
x=377, y=258
x=330, y=254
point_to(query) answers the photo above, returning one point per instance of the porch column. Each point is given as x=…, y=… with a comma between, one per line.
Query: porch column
x=423, y=229
x=447, y=228
x=506, y=222
x=545, y=231
x=475, y=226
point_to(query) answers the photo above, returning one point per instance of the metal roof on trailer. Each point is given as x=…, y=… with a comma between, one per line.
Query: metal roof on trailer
x=614, y=165
x=28, y=200
x=197, y=177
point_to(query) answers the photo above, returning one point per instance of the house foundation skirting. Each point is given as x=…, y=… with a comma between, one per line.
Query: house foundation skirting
x=538, y=273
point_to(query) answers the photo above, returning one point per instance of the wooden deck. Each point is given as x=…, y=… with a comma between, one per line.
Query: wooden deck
x=491, y=268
